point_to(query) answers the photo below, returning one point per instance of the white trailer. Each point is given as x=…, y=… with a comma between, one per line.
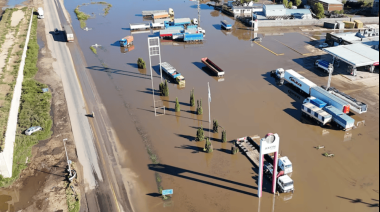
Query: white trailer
x=157, y=25
x=295, y=79
x=285, y=165
x=330, y=99
x=314, y=112
x=141, y=26
x=151, y=12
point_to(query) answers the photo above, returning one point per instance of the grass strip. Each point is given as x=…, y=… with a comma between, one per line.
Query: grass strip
x=34, y=111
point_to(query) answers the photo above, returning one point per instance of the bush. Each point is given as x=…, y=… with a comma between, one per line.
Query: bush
x=199, y=107
x=234, y=150
x=192, y=103
x=286, y=3
x=215, y=126
x=200, y=134
x=224, y=136
x=164, y=89
x=298, y=2
x=141, y=63
x=208, y=146
x=177, y=106
x=93, y=50
x=290, y=5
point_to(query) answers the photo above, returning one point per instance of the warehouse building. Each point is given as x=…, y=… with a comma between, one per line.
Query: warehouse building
x=328, y=5
x=368, y=37
x=279, y=12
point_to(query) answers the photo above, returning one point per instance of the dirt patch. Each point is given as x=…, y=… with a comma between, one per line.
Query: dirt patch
x=8, y=78
x=16, y=17
x=9, y=40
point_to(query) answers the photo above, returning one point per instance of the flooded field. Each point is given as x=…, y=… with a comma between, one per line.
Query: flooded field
x=247, y=102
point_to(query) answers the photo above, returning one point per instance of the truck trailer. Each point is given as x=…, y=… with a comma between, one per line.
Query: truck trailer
x=181, y=21
x=169, y=32
x=295, y=79
x=330, y=99
x=68, y=33
x=214, y=68
x=226, y=25
x=342, y=120
x=355, y=105
x=193, y=37
x=172, y=72
x=160, y=15
x=316, y=113
x=141, y=26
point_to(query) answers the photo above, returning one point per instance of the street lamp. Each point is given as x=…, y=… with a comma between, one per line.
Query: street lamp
x=67, y=157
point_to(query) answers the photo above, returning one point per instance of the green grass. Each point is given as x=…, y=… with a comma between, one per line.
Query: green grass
x=83, y=17
x=34, y=111
x=93, y=49
x=5, y=24
x=73, y=201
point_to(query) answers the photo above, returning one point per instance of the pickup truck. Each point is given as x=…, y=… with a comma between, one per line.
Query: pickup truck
x=284, y=182
x=324, y=65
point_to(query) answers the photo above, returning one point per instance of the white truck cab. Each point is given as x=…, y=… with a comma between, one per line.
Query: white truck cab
x=285, y=165
x=200, y=30
x=285, y=184
x=280, y=73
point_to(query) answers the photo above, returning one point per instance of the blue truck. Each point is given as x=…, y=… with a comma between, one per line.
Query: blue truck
x=325, y=65
x=193, y=37
x=226, y=25
x=342, y=120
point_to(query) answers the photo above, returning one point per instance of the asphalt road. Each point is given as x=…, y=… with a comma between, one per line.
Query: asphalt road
x=105, y=189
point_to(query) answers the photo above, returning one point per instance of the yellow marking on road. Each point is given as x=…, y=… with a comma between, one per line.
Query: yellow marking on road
x=269, y=49
x=293, y=49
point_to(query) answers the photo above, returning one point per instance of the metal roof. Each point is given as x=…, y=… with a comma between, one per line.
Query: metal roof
x=274, y=7
x=298, y=11
x=355, y=54
x=241, y=8
x=182, y=20
x=331, y=2
x=285, y=160
x=286, y=179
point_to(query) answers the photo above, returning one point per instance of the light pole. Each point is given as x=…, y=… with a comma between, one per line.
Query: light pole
x=67, y=157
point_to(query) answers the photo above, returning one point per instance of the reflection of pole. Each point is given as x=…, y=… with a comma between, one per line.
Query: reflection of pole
x=209, y=112
x=199, y=14
x=260, y=184
x=329, y=82
x=274, y=178
x=67, y=157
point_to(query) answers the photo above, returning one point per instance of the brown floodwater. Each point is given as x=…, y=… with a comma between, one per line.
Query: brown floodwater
x=247, y=102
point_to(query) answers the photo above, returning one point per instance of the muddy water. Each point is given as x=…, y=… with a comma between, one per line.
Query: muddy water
x=247, y=102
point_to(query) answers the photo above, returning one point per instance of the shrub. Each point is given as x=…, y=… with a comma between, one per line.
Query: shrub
x=177, y=106
x=290, y=5
x=215, y=126
x=285, y=3
x=200, y=134
x=208, y=146
x=93, y=50
x=164, y=89
x=298, y=2
x=224, y=136
x=199, y=107
x=319, y=10
x=141, y=63
x=192, y=103
x=234, y=150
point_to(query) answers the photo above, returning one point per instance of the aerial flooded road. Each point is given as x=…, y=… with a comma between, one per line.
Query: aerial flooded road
x=247, y=102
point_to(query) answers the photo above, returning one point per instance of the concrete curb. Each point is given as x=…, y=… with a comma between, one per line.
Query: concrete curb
x=6, y=157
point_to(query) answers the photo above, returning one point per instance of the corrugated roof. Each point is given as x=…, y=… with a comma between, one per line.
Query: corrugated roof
x=355, y=54
x=298, y=11
x=274, y=7
x=331, y=2
x=277, y=12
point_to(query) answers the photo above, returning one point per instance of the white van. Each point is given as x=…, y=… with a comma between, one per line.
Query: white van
x=40, y=12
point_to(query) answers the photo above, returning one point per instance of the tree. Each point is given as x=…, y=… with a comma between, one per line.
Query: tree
x=285, y=3
x=200, y=134
x=290, y=5
x=298, y=2
x=208, y=146
x=224, y=136
x=199, y=107
x=192, y=103
x=215, y=126
x=140, y=63
x=164, y=89
x=319, y=10
x=177, y=106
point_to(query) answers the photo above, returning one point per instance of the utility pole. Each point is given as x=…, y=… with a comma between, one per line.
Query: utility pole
x=67, y=157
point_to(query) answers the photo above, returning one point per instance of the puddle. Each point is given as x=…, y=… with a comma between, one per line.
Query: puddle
x=13, y=3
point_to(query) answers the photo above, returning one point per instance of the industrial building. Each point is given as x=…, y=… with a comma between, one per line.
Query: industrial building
x=369, y=37
x=276, y=12
x=328, y=5
x=248, y=10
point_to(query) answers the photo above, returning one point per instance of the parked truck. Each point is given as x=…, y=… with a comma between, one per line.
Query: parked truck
x=285, y=165
x=342, y=120
x=226, y=25
x=68, y=33
x=316, y=113
x=160, y=15
x=193, y=37
x=317, y=102
x=141, y=26
x=126, y=41
x=355, y=105
x=295, y=79
x=214, y=68
x=181, y=21
x=284, y=183
x=325, y=65
x=157, y=25
x=40, y=12
x=169, y=32
x=172, y=72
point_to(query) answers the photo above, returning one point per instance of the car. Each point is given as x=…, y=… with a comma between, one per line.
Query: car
x=56, y=31
x=32, y=130
x=323, y=45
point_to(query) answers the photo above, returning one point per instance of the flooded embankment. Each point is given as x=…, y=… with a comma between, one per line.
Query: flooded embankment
x=247, y=102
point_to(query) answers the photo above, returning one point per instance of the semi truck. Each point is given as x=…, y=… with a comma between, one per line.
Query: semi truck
x=284, y=183
x=355, y=105
x=40, y=12
x=126, y=41
x=214, y=68
x=316, y=113
x=141, y=26
x=311, y=89
x=157, y=25
x=193, y=37
x=68, y=33
x=181, y=21
x=226, y=25
x=324, y=65
x=341, y=120
x=172, y=72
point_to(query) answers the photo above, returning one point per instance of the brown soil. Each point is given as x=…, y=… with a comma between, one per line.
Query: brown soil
x=41, y=186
